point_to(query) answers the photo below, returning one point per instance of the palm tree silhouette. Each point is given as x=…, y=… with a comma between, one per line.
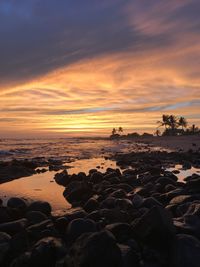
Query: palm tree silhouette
x=120, y=130
x=182, y=122
x=173, y=122
x=114, y=131
x=165, y=121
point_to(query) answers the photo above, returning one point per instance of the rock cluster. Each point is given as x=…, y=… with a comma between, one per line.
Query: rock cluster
x=142, y=217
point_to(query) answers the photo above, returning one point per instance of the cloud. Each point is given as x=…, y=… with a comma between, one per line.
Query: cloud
x=98, y=63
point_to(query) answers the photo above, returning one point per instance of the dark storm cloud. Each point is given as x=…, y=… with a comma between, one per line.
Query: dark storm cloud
x=39, y=36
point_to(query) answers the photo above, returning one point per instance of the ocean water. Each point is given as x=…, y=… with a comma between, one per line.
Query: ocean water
x=65, y=148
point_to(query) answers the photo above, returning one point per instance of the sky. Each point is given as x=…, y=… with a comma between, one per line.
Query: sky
x=83, y=67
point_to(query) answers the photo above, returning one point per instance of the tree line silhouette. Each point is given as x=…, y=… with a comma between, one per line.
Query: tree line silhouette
x=174, y=125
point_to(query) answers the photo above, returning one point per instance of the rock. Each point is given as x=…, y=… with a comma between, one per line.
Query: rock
x=61, y=224
x=121, y=231
x=96, y=177
x=79, y=226
x=35, y=217
x=151, y=202
x=41, y=206
x=91, y=205
x=78, y=192
x=137, y=200
x=181, y=199
x=4, y=246
x=22, y=261
x=35, y=230
x=154, y=226
x=77, y=214
x=62, y=178
x=4, y=215
x=14, y=226
x=118, y=194
x=185, y=251
x=130, y=257
x=95, y=250
x=46, y=252
x=17, y=203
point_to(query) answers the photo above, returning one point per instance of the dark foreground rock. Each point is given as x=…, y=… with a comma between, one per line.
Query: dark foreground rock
x=141, y=217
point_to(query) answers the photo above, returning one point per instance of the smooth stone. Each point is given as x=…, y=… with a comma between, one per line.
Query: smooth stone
x=91, y=205
x=41, y=206
x=121, y=231
x=14, y=226
x=79, y=226
x=4, y=246
x=17, y=203
x=154, y=226
x=186, y=251
x=46, y=252
x=96, y=250
x=35, y=217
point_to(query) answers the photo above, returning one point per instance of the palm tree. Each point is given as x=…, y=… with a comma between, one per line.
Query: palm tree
x=182, y=122
x=172, y=121
x=165, y=121
x=120, y=130
x=114, y=131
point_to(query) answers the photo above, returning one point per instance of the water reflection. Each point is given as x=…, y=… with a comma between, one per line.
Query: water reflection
x=43, y=187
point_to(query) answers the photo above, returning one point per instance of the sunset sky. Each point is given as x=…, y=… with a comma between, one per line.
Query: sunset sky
x=68, y=67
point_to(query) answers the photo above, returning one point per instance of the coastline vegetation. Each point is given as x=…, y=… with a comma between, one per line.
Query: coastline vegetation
x=173, y=126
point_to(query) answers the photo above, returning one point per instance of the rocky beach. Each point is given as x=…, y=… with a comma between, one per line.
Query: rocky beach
x=137, y=213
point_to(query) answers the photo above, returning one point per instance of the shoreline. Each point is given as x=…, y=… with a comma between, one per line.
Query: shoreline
x=117, y=213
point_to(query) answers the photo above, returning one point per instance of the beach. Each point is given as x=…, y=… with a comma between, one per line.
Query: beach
x=128, y=202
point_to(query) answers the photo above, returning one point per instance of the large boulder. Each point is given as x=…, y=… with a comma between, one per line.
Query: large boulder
x=62, y=178
x=14, y=226
x=34, y=217
x=79, y=226
x=4, y=246
x=185, y=251
x=41, y=206
x=96, y=250
x=153, y=227
x=77, y=192
x=121, y=231
x=46, y=252
x=17, y=203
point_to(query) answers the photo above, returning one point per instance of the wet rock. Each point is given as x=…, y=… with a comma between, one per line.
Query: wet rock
x=35, y=230
x=151, y=202
x=96, y=250
x=118, y=194
x=13, y=227
x=4, y=246
x=130, y=257
x=91, y=205
x=77, y=214
x=96, y=177
x=17, y=203
x=16, y=169
x=35, y=217
x=62, y=178
x=79, y=226
x=121, y=231
x=78, y=192
x=41, y=206
x=61, y=224
x=4, y=215
x=46, y=252
x=186, y=251
x=154, y=226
